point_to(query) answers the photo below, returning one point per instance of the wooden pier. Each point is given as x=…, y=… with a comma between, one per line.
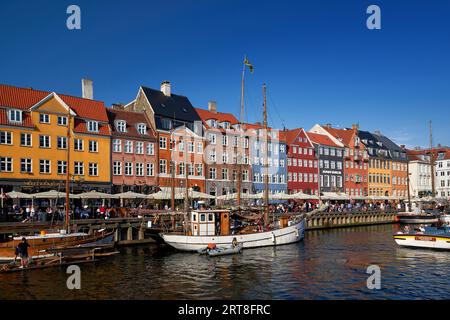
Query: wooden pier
x=351, y=219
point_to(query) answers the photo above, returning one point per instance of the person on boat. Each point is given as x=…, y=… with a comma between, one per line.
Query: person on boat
x=234, y=243
x=23, y=252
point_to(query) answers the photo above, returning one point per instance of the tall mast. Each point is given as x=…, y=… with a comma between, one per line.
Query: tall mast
x=241, y=128
x=432, y=158
x=266, y=164
x=68, y=174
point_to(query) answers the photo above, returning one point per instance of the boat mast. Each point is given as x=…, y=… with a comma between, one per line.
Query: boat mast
x=266, y=164
x=431, y=153
x=241, y=128
x=68, y=174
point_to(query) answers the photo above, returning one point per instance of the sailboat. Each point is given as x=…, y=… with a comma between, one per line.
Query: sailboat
x=206, y=227
x=45, y=244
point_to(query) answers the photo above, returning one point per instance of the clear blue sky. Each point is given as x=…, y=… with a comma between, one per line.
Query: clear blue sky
x=320, y=62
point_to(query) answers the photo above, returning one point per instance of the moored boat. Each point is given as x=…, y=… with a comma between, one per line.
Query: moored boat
x=428, y=237
x=222, y=251
x=416, y=218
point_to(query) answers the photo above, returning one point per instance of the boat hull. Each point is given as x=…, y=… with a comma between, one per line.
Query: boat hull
x=417, y=218
x=445, y=218
x=291, y=234
x=423, y=241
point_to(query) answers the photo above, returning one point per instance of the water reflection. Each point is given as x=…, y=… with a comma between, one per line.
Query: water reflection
x=328, y=264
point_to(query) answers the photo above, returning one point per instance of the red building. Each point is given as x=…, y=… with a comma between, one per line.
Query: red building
x=134, y=151
x=302, y=166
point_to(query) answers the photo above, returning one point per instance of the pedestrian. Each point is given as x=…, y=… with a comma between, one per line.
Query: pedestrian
x=23, y=252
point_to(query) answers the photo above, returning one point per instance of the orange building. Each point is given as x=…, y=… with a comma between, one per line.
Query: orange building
x=34, y=143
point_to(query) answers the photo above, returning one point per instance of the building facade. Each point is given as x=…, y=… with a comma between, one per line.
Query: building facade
x=34, y=141
x=134, y=152
x=226, y=152
x=302, y=164
x=356, y=158
x=420, y=180
x=177, y=124
x=330, y=156
x=442, y=174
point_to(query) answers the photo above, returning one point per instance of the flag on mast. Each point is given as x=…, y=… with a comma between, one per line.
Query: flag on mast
x=249, y=65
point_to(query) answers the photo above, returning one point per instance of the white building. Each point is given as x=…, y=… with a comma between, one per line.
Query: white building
x=442, y=181
x=419, y=175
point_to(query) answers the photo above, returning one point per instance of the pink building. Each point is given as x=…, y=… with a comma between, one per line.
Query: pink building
x=134, y=152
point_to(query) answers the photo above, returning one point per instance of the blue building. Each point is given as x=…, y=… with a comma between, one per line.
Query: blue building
x=275, y=156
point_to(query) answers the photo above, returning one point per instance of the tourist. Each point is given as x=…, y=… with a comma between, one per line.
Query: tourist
x=23, y=252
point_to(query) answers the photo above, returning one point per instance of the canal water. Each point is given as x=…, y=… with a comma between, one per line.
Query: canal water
x=328, y=264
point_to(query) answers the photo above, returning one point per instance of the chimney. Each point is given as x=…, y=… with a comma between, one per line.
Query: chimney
x=328, y=125
x=378, y=132
x=118, y=106
x=355, y=126
x=165, y=88
x=212, y=106
x=87, y=88
x=403, y=146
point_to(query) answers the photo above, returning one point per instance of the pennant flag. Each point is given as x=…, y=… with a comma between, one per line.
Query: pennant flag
x=249, y=65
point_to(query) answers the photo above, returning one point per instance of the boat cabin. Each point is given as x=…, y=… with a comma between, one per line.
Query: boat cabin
x=210, y=223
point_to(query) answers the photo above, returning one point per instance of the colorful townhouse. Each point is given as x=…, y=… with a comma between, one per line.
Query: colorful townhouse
x=134, y=152
x=226, y=152
x=356, y=158
x=274, y=154
x=330, y=155
x=179, y=128
x=34, y=141
x=302, y=165
x=420, y=180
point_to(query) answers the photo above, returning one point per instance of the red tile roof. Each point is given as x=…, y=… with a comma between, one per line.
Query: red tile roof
x=321, y=139
x=219, y=116
x=26, y=117
x=132, y=119
x=291, y=135
x=25, y=98
x=344, y=135
x=81, y=127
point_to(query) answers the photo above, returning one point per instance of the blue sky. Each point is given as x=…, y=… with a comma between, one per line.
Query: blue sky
x=320, y=62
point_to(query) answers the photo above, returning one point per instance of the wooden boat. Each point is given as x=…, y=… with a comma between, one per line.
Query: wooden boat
x=41, y=245
x=428, y=237
x=445, y=218
x=222, y=251
x=416, y=218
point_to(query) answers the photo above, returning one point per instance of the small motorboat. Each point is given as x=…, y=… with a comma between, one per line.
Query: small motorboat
x=416, y=218
x=424, y=237
x=222, y=251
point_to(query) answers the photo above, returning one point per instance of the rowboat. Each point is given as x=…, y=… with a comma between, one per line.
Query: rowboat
x=222, y=251
x=428, y=237
x=42, y=245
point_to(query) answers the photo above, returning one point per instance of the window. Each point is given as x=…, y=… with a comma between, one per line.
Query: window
x=199, y=147
x=199, y=169
x=224, y=174
x=212, y=138
x=93, y=169
x=78, y=145
x=182, y=168
x=62, y=142
x=128, y=168
x=142, y=128
x=150, y=149
x=92, y=126
x=245, y=176
x=163, y=143
x=190, y=169
x=117, y=168
x=212, y=156
x=139, y=147
x=163, y=166
x=150, y=169
x=26, y=165
x=128, y=146
x=44, y=166
x=225, y=140
x=121, y=126
x=117, y=145
x=61, y=167
x=44, y=118
x=44, y=141
x=25, y=140
x=15, y=116
x=212, y=173
x=93, y=146
x=191, y=147
x=78, y=168
x=139, y=169
x=5, y=137
x=62, y=121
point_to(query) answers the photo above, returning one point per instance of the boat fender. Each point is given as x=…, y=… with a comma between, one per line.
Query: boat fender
x=296, y=233
x=274, y=239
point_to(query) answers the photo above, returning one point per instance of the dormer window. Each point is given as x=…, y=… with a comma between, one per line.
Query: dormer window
x=92, y=126
x=15, y=115
x=226, y=125
x=212, y=123
x=121, y=126
x=142, y=128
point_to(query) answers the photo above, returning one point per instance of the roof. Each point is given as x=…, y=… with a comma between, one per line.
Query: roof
x=132, y=119
x=25, y=98
x=219, y=116
x=81, y=127
x=173, y=106
x=343, y=135
x=26, y=117
x=321, y=139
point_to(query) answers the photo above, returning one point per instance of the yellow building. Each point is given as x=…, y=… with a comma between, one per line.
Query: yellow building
x=380, y=177
x=34, y=141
